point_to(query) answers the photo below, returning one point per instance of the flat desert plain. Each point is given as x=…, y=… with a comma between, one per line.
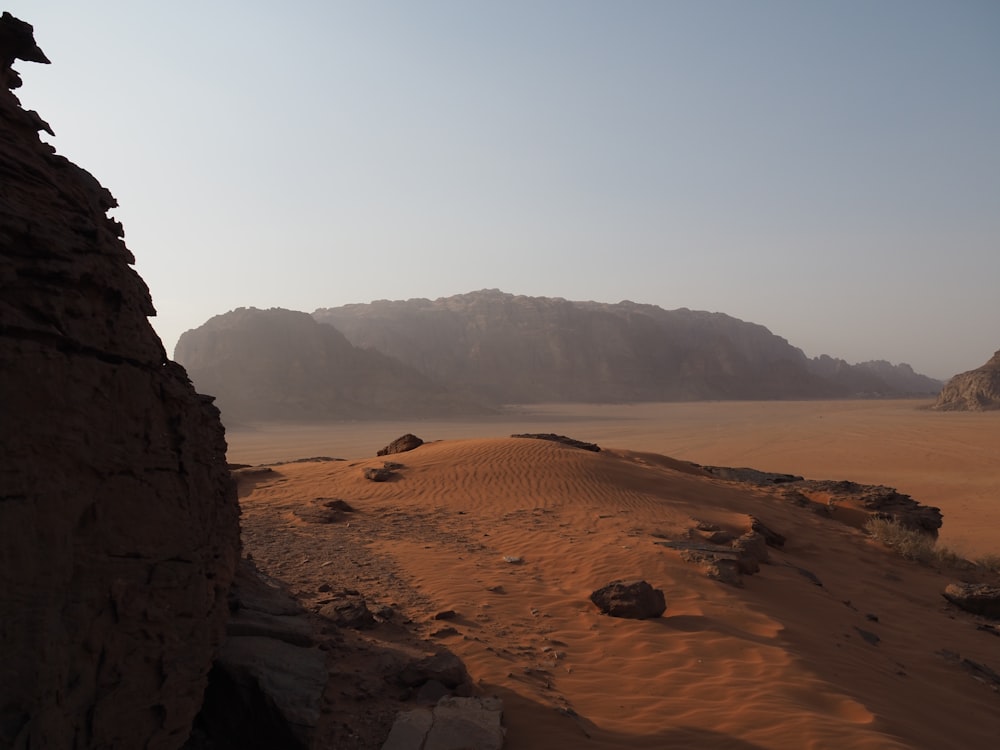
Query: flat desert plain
x=486, y=548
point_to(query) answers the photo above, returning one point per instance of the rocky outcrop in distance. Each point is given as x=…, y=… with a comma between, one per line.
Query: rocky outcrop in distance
x=975, y=390
x=282, y=365
x=470, y=353
x=119, y=530
x=504, y=348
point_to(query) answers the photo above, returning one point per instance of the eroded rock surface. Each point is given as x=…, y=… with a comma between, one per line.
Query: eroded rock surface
x=975, y=390
x=119, y=529
x=635, y=600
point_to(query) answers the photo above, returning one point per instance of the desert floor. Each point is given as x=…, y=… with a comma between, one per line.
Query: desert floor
x=948, y=460
x=486, y=548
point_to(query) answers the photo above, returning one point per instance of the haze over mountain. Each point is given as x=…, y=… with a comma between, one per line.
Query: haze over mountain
x=455, y=354
x=281, y=364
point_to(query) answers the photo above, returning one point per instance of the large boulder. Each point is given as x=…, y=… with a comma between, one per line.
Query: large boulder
x=119, y=530
x=636, y=600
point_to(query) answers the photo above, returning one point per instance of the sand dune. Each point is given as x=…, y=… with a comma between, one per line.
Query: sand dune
x=778, y=663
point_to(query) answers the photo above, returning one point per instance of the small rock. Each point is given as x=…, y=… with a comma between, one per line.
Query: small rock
x=349, y=612
x=446, y=614
x=377, y=473
x=513, y=559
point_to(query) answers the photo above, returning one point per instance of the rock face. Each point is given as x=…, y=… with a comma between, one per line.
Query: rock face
x=978, y=598
x=119, y=531
x=402, y=444
x=635, y=600
x=504, y=348
x=976, y=390
x=282, y=365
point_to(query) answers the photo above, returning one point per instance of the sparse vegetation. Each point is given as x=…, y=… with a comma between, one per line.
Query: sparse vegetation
x=989, y=562
x=912, y=544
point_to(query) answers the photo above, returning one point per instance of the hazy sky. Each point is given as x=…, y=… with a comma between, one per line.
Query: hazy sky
x=830, y=170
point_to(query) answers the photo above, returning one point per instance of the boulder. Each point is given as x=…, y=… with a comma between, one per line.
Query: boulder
x=635, y=600
x=978, y=598
x=401, y=444
x=119, y=523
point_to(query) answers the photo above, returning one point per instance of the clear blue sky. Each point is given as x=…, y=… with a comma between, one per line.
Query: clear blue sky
x=830, y=170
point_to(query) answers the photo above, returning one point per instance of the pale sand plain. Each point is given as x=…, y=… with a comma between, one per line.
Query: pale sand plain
x=945, y=459
x=872, y=658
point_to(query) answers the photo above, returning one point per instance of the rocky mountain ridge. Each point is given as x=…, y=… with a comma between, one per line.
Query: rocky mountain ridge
x=975, y=390
x=493, y=348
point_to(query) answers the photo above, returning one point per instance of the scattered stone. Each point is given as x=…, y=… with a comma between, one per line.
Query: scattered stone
x=812, y=577
x=977, y=598
x=513, y=559
x=773, y=538
x=868, y=636
x=446, y=614
x=444, y=667
x=323, y=510
x=349, y=611
x=980, y=671
x=635, y=600
x=401, y=444
x=378, y=473
x=560, y=439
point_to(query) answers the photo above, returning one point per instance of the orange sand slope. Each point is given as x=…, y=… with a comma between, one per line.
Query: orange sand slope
x=779, y=663
x=948, y=460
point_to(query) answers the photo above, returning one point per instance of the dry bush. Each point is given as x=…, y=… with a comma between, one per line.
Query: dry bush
x=989, y=562
x=910, y=543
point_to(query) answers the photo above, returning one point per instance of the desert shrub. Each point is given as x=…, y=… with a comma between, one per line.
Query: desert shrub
x=989, y=562
x=903, y=540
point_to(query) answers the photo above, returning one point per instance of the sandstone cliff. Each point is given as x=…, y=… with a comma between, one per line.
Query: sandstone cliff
x=279, y=364
x=119, y=528
x=975, y=390
x=517, y=349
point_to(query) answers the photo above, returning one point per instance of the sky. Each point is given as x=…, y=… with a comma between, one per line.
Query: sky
x=830, y=170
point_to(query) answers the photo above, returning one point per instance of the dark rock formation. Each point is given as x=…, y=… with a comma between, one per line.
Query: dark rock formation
x=975, y=390
x=378, y=473
x=282, y=365
x=635, y=600
x=561, y=439
x=978, y=598
x=349, y=610
x=504, y=348
x=401, y=444
x=266, y=686
x=119, y=529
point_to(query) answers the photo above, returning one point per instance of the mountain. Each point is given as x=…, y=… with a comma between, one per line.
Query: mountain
x=280, y=364
x=516, y=349
x=975, y=390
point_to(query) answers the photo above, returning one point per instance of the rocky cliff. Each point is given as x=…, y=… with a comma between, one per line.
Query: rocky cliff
x=279, y=364
x=119, y=530
x=975, y=390
x=517, y=349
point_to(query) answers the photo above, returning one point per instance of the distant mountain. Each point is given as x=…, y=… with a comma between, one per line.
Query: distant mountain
x=975, y=390
x=874, y=379
x=504, y=348
x=282, y=365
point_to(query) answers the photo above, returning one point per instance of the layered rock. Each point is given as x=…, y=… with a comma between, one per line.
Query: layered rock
x=119, y=530
x=975, y=390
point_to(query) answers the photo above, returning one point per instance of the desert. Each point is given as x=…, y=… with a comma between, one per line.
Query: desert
x=835, y=642
x=477, y=521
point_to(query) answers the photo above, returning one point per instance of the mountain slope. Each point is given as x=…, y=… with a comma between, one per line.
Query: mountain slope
x=281, y=364
x=517, y=349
